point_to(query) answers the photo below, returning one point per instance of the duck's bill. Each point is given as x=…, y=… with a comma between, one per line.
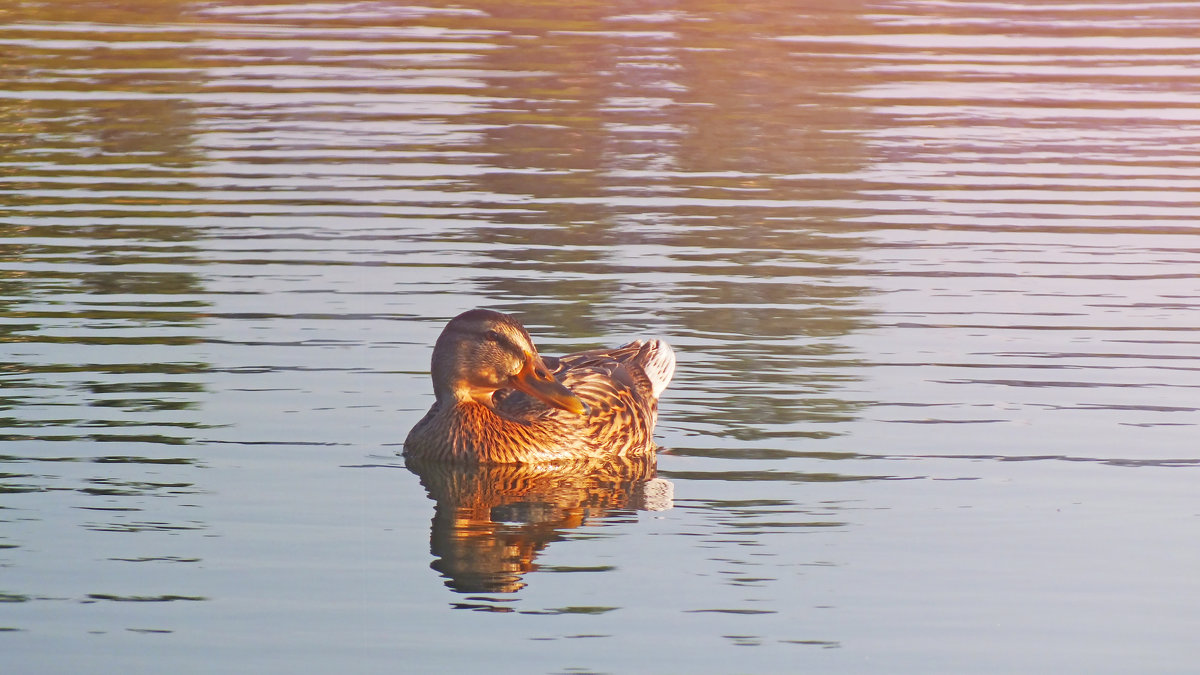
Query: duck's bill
x=548, y=390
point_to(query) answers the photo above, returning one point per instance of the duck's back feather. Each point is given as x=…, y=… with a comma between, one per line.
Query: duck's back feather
x=637, y=372
x=620, y=386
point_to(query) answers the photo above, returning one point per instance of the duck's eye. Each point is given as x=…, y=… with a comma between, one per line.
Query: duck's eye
x=491, y=336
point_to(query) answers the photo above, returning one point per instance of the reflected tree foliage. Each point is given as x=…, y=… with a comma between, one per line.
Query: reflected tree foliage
x=99, y=11
x=676, y=164
x=643, y=169
x=100, y=288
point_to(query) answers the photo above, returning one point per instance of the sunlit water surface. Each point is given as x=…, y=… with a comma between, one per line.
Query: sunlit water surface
x=932, y=270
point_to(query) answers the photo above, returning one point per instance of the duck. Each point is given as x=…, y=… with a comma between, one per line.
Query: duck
x=498, y=401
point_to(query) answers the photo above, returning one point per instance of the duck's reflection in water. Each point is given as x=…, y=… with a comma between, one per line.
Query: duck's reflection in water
x=491, y=522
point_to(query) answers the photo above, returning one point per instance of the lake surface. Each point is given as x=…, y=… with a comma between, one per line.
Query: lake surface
x=932, y=271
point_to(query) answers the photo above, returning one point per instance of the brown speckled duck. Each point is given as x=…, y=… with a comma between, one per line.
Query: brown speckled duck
x=498, y=401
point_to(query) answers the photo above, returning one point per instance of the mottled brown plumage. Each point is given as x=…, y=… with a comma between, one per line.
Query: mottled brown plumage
x=498, y=401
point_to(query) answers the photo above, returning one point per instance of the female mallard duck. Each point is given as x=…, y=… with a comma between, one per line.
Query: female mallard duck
x=498, y=401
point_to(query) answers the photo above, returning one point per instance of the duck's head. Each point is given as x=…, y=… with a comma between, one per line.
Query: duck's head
x=481, y=352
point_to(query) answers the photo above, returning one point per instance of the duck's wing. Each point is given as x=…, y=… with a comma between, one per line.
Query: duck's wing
x=621, y=386
x=649, y=364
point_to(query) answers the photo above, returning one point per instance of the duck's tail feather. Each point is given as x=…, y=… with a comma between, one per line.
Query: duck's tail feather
x=658, y=361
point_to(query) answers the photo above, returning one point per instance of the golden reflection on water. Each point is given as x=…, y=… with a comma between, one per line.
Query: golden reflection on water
x=492, y=521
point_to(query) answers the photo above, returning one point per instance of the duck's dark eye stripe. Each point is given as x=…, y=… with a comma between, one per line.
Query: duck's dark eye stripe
x=502, y=340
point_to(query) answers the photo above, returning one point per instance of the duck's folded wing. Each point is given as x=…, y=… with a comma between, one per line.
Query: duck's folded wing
x=650, y=363
x=614, y=383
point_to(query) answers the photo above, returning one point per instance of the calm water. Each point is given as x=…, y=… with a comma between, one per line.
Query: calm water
x=932, y=270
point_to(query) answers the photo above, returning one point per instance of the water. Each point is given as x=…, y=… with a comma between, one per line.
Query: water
x=930, y=269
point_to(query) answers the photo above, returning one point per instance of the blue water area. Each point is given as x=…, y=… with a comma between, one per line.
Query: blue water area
x=929, y=269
